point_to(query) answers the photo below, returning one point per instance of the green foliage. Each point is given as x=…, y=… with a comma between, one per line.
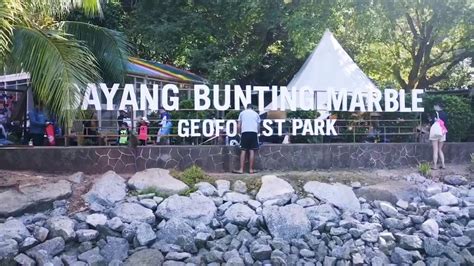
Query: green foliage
x=424, y=169
x=460, y=115
x=233, y=114
x=193, y=175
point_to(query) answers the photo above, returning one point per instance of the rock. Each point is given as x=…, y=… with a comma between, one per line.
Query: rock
x=149, y=203
x=278, y=258
x=254, y=204
x=306, y=253
x=235, y=261
x=430, y=228
x=86, y=235
x=145, y=234
x=287, y=222
x=115, y=249
x=76, y=178
x=201, y=239
x=115, y=224
x=357, y=259
x=174, y=228
x=15, y=229
x=239, y=214
x=61, y=226
x=8, y=249
x=92, y=257
x=206, y=189
x=236, y=197
x=239, y=186
x=462, y=241
x=157, y=179
x=96, y=219
x=388, y=209
x=337, y=194
x=40, y=233
x=261, y=252
x=442, y=199
x=433, y=247
x=329, y=261
x=232, y=229
x=276, y=189
x=177, y=256
x=455, y=180
x=107, y=190
x=145, y=257
x=342, y=252
x=129, y=212
x=390, y=191
x=306, y=202
x=52, y=247
x=32, y=197
x=411, y=242
x=195, y=209
x=370, y=236
x=323, y=213
x=24, y=260
x=222, y=187
x=400, y=256
x=402, y=204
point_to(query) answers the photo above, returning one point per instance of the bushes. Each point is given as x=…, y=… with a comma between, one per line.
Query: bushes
x=460, y=115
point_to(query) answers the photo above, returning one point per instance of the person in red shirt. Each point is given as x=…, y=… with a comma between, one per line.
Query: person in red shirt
x=143, y=131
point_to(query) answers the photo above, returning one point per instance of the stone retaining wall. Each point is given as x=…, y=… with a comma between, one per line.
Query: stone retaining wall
x=223, y=158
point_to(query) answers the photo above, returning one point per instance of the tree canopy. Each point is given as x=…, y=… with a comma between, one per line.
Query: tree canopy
x=404, y=44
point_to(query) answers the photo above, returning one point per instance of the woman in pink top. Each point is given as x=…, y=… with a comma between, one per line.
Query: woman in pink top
x=143, y=132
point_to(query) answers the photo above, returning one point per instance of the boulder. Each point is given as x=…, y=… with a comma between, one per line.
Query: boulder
x=32, y=197
x=76, y=178
x=129, y=212
x=86, y=235
x=430, y=227
x=145, y=257
x=62, y=226
x=8, y=249
x=96, y=219
x=173, y=229
x=275, y=189
x=323, y=213
x=145, y=234
x=206, y=189
x=433, y=247
x=222, y=187
x=239, y=214
x=390, y=191
x=24, y=260
x=239, y=186
x=261, y=252
x=13, y=229
x=442, y=199
x=195, y=209
x=157, y=179
x=337, y=194
x=455, y=180
x=388, y=209
x=92, y=257
x=52, y=247
x=115, y=249
x=236, y=197
x=410, y=242
x=107, y=190
x=286, y=222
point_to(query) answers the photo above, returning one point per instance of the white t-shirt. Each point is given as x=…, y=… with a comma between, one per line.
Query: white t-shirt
x=250, y=121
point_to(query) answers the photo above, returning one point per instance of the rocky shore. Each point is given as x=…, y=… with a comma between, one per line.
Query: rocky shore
x=155, y=219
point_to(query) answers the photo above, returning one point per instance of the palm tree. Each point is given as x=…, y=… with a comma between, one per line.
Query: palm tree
x=62, y=57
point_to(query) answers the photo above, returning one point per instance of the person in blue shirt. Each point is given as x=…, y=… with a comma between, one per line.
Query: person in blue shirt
x=38, y=124
x=165, y=126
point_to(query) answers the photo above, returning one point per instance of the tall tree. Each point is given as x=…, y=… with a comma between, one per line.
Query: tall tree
x=418, y=42
x=62, y=57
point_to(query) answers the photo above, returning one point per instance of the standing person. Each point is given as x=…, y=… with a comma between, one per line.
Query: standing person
x=123, y=134
x=165, y=126
x=143, y=131
x=37, y=125
x=439, y=137
x=249, y=126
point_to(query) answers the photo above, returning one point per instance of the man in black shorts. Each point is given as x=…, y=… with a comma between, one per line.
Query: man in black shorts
x=249, y=126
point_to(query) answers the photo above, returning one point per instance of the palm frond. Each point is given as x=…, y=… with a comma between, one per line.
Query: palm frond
x=11, y=12
x=109, y=47
x=61, y=7
x=56, y=65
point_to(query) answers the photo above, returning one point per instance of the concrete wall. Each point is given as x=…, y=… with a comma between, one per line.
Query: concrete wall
x=224, y=159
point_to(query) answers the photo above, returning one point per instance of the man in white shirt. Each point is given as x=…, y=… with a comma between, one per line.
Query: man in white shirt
x=249, y=126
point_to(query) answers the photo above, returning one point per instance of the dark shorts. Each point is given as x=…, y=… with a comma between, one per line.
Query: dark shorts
x=249, y=141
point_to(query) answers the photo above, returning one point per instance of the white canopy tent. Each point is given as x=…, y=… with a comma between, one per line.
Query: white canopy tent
x=328, y=67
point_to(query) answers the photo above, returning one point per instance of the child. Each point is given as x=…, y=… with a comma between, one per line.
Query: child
x=143, y=132
x=123, y=134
